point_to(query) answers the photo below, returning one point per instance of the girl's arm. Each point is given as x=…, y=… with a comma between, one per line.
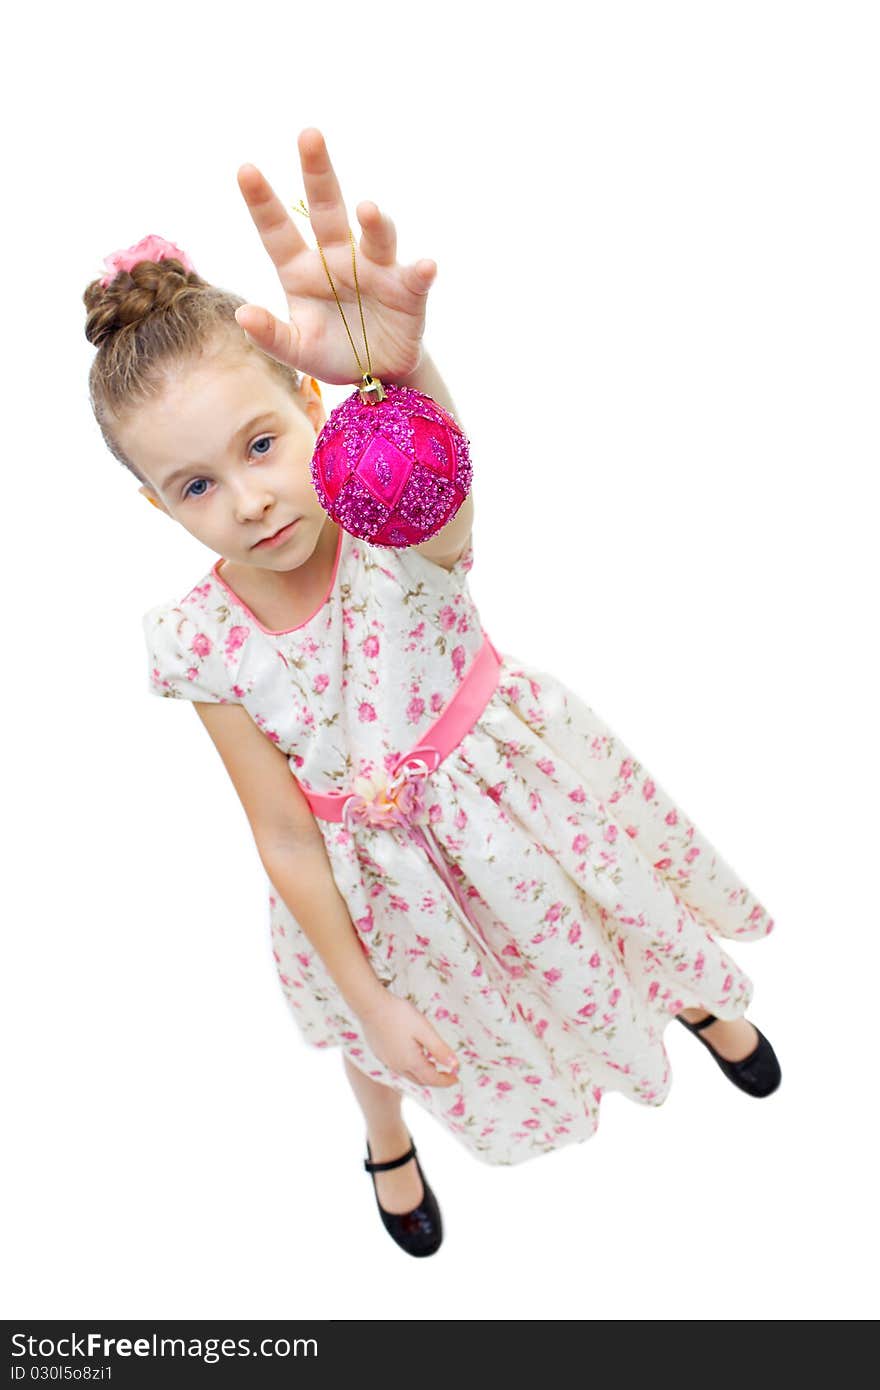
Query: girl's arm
x=303, y=876
x=292, y=850
x=427, y=379
x=392, y=1027
x=446, y=547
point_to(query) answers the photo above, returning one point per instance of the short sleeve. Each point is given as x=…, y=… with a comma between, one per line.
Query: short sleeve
x=409, y=556
x=185, y=661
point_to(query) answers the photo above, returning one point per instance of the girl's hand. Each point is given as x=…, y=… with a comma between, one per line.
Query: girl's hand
x=393, y=296
x=401, y=1037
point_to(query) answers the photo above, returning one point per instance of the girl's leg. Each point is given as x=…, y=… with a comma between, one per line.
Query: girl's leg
x=732, y=1039
x=400, y=1189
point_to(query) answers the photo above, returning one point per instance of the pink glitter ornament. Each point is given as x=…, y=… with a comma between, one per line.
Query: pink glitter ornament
x=392, y=472
x=390, y=465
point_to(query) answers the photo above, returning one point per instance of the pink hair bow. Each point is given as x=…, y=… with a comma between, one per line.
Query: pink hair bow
x=402, y=803
x=149, y=248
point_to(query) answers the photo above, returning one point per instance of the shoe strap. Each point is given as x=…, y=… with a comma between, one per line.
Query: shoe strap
x=391, y=1162
x=703, y=1023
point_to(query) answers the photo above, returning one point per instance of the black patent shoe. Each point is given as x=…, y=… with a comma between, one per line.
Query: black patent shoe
x=420, y=1231
x=759, y=1074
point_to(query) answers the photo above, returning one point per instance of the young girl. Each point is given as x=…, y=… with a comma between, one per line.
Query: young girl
x=477, y=892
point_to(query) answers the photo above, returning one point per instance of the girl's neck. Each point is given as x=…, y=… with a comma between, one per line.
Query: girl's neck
x=281, y=600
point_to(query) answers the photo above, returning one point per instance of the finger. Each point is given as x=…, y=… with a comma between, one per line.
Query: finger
x=427, y=1075
x=448, y=1068
x=279, y=340
x=439, y=1052
x=419, y=277
x=323, y=194
x=379, y=238
x=278, y=233
x=423, y=1070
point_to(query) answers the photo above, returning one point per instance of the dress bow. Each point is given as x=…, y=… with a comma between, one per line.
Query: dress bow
x=401, y=801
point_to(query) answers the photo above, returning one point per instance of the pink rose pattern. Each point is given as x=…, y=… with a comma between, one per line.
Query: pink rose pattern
x=600, y=899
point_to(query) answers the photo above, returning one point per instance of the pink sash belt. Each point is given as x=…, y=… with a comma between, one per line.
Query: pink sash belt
x=401, y=802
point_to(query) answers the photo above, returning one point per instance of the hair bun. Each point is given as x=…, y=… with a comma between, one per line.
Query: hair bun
x=148, y=288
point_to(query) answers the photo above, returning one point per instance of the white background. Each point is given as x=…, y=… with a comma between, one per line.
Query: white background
x=656, y=227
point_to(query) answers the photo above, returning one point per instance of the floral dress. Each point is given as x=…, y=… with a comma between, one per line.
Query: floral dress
x=599, y=898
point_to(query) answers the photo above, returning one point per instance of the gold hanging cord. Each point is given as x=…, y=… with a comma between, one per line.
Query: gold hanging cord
x=371, y=389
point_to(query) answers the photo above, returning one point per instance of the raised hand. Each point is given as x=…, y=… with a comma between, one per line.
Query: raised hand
x=393, y=296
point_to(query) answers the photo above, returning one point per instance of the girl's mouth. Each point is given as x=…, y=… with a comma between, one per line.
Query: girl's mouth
x=278, y=539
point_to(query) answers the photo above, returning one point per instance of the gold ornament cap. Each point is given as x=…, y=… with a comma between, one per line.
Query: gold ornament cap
x=371, y=390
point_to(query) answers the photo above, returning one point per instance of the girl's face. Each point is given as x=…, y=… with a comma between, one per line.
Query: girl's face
x=226, y=449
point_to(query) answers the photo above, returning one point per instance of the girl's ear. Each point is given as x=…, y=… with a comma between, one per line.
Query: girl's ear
x=312, y=403
x=156, y=501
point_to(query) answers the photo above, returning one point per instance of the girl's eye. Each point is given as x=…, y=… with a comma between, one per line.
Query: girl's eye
x=263, y=439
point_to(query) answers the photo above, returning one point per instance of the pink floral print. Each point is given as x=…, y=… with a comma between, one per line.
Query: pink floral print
x=604, y=905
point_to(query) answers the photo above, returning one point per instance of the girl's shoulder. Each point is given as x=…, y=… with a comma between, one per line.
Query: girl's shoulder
x=193, y=645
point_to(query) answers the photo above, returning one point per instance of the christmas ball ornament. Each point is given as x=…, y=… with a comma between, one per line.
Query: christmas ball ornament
x=391, y=469
x=390, y=465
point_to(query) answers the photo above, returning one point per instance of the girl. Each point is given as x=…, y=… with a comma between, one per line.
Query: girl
x=477, y=892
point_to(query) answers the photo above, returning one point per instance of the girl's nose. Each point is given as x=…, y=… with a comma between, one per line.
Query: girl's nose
x=250, y=506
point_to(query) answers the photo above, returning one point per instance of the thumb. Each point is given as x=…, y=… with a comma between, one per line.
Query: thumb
x=431, y=1040
x=279, y=340
x=419, y=277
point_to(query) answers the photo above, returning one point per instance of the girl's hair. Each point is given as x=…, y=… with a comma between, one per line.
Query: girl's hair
x=149, y=320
